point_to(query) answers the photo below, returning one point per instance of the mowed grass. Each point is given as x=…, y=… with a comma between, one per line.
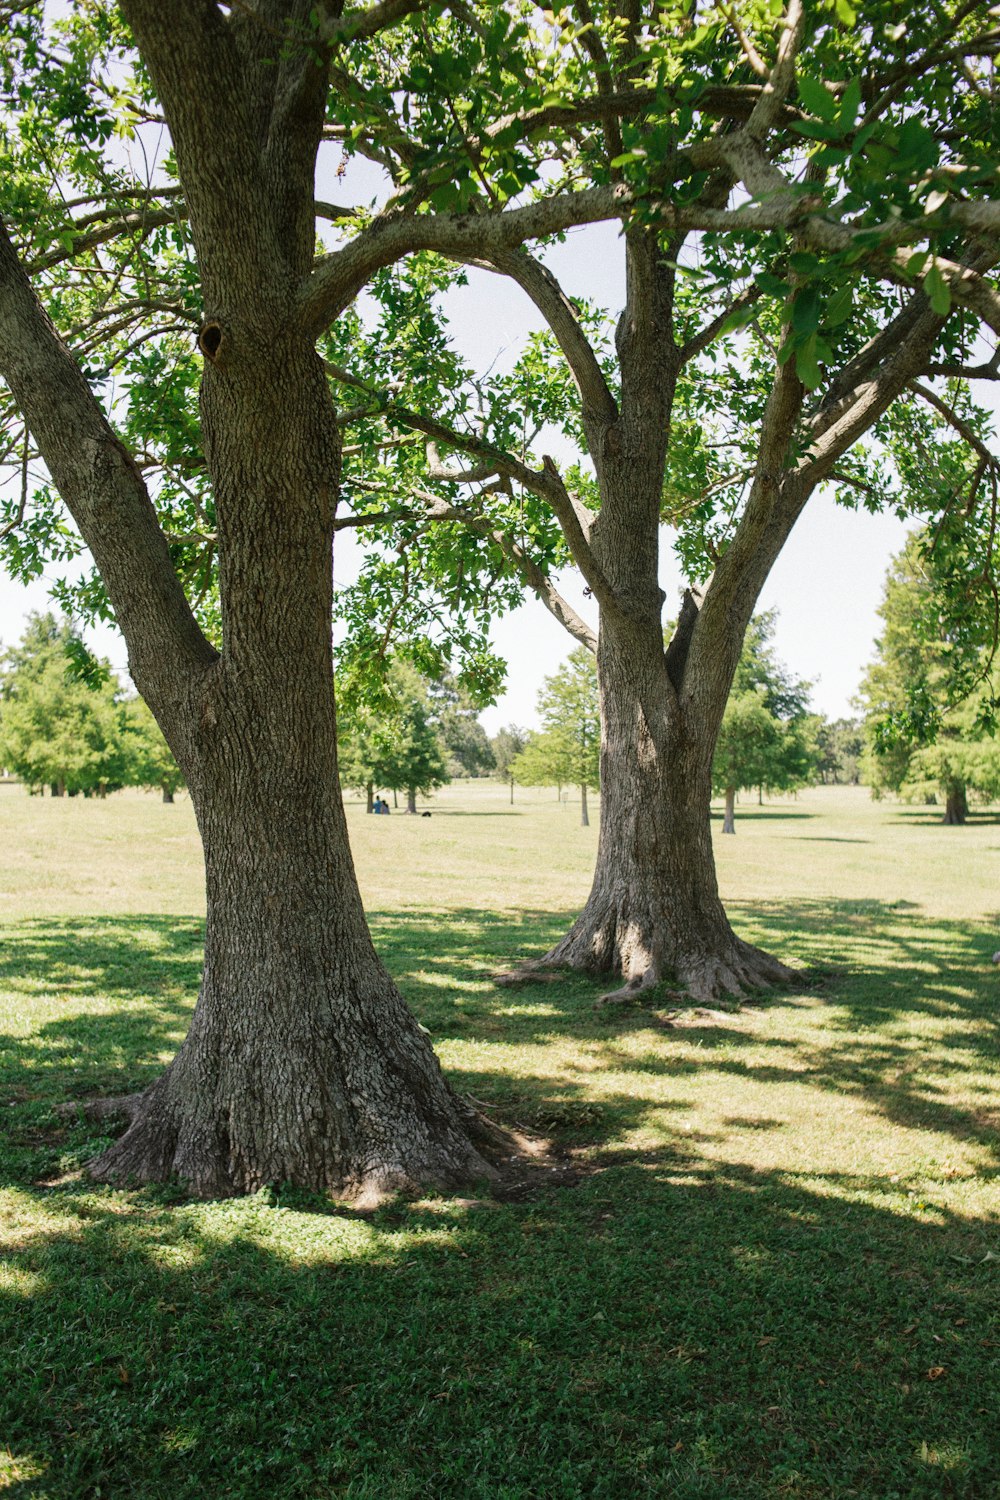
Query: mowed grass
x=761, y=1258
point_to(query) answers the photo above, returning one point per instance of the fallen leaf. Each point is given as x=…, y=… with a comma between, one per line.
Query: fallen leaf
x=935, y=1372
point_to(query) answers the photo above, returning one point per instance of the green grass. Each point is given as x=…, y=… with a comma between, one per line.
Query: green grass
x=766, y=1263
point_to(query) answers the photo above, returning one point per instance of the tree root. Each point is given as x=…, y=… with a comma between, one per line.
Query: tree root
x=117, y=1107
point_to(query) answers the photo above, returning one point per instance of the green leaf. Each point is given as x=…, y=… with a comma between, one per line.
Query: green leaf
x=806, y=310
x=803, y=263
x=938, y=291
x=806, y=366
x=838, y=309
x=817, y=98
x=850, y=103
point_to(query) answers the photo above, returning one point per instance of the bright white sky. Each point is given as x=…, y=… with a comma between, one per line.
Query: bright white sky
x=826, y=586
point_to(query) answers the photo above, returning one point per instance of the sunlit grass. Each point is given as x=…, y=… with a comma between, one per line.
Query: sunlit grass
x=766, y=1265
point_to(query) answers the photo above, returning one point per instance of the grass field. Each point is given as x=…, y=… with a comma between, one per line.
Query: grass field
x=762, y=1259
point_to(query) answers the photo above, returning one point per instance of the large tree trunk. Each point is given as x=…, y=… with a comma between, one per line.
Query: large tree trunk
x=729, y=817
x=302, y=1064
x=956, y=807
x=411, y=799
x=654, y=910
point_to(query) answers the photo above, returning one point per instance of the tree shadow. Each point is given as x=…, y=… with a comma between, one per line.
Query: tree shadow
x=668, y=1325
x=906, y=1005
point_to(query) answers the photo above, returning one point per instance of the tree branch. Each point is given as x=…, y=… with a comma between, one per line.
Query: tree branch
x=100, y=483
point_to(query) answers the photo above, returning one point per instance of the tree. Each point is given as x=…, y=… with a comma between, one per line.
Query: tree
x=414, y=759
x=507, y=745
x=495, y=135
x=394, y=742
x=762, y=340
x=149, y=761
x=55, y=730
x=922, y=740
x=302, y=1063
x=567, y=751
x=455, y=716
x=764, y=739
x=839, y=747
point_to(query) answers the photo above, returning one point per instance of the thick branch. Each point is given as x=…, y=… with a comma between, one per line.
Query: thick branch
x=100, y=483
x=599, y=406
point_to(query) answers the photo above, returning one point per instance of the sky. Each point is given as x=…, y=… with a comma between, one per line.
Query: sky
x=826, y=586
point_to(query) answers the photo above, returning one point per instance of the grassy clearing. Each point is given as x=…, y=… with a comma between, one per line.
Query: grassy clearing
x=772, y=1271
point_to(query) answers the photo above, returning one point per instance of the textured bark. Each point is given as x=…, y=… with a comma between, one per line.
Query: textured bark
x=956, y=807
x=654, y=909
x=729, y=820
x=302, y=1064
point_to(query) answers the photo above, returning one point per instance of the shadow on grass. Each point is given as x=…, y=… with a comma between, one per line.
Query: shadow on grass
x=907, y=1004
x=671, y=1324
x=667, y=1327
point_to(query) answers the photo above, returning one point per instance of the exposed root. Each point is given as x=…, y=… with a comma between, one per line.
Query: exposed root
x=531, y=971
x=117, y=1107
x=633, y=989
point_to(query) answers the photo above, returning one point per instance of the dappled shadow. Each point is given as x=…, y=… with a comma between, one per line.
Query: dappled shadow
x=903, y=972
x=669, y=1325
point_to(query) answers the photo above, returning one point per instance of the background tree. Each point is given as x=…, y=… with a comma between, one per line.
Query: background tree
x=56, y=729
x=507, y=745
x=455, y=713
x=149, y=761
x=839, y=748
x=394, y=741
x=762, y=339
x=922, y=739
x=765, y=739
x=567, y=750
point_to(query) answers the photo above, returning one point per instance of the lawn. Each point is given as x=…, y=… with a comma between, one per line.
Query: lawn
x=758, y=1255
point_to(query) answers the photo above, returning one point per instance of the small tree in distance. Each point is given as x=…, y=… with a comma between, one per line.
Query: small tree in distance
x=57, y=730
x=567, y=750
x=396, y=744
x=765, y=736
x=507, y=745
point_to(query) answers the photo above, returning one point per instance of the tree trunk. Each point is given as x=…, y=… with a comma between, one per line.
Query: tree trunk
x=58, y=789
x=168, y=794
x=654, y=909
x=370, y=797
x=584, y=818
x=395, y=798
x=512, y=791
x=411, y=799
x=956, y=807
x=729, y=820
x=303, y=1064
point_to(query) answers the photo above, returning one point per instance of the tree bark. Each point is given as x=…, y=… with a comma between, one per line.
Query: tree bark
x=411, y=799
x=168, y=795
x=302, y=1064
x=654, y=909
x=584, y=817
x=369, y=797
x=956, y=807
x=729, y=820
